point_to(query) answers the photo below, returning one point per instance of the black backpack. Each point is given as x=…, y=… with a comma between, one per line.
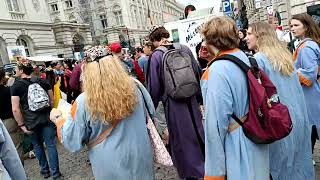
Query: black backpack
x=179, y=77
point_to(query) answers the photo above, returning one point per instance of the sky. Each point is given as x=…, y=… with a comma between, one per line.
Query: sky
x=200, y=4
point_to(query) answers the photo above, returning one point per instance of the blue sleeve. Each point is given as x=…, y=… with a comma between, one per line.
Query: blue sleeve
x=260, y=60
x=9, y=156
x=141, y=62
x=218, y=109
x=307, y=64
x=74, y=133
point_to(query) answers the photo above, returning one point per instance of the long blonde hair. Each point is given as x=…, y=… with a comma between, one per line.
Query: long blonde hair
x=109, y=90
x=276, y=51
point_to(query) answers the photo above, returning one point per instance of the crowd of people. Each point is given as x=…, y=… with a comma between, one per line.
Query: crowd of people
x=193, y=101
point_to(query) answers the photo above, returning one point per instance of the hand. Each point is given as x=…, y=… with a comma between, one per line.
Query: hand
x=165, y=136
x=54, y=114
x=25, y=130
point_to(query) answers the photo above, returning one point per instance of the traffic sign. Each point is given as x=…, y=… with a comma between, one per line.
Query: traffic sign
x=226, y=6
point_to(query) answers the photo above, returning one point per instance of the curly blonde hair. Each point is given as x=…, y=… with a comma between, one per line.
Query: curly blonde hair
x=276, y=51
x=109, y=90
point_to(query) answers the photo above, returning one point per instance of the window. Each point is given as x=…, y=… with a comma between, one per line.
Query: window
x=118, y=15
x=22, y=42
x=140, y=17
x=13, y=5
x=135, y=17
x=68, y=4
x=104, y=22
x=54, y=7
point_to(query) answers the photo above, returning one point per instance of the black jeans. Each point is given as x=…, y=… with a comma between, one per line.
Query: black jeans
x=314, y=137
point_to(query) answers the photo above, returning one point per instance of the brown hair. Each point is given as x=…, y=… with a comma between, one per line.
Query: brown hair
x=312, y=29
x=271, y=19
x=222, y=33
x=158, y=34
x=3, y=79
x=150, y=44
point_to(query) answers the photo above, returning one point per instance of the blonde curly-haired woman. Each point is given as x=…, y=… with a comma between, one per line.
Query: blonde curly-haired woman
x=110, y=118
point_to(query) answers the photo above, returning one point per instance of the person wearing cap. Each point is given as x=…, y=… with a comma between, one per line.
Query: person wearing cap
x=131, y=66
x=186, y=133
x=36, y=123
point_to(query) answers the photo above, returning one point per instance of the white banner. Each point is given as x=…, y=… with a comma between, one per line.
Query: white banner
x=15, y=52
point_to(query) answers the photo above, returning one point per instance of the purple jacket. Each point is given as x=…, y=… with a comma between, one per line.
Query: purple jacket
x=75, y=79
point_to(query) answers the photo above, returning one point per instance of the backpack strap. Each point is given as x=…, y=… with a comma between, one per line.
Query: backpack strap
x=25, y=82
x=243, y=66
x=35, y=80
x=177, y=46
x=162, y=49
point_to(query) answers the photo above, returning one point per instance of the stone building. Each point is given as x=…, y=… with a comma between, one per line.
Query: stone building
x=26, y=23
x=63, y=27
x=130, y=19
x=72, y=34
x=257, y=10
x=172, y=11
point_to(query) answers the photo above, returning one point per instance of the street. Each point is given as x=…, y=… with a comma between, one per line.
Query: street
x=75, y=167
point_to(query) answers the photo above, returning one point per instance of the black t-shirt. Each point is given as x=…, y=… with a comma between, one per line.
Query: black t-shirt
x=5, y=103
x=20, y=88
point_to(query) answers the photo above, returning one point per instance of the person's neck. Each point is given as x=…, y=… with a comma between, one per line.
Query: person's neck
x=165, y=42
x=23, y=76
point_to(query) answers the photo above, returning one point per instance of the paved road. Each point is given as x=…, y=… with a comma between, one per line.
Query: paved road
x=74, y=167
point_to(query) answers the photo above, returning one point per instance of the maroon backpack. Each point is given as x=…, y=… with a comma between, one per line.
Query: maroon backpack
x=268, y=120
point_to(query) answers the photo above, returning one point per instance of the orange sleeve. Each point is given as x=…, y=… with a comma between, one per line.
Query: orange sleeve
x=74, y=110
x=59, y=124
x=205, y=75
x=214, y=177
x=304, y=80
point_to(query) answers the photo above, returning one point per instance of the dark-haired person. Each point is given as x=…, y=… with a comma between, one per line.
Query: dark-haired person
x=7, y=116
x=36, y=123
x=243, y=44
x=307, y=60
x=186, y=134
x=229, y=153
x=141, y=58
x=202, y=60
x=65, y=79
x=148, y=49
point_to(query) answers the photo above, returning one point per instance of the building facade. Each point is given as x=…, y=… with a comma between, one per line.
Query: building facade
x=172, y=11
x=64, y=27
x=25, y=23
x=258, y=10
x=130, y=20
x=71, y=32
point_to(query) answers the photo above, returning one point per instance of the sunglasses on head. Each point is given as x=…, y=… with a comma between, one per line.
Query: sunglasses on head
x=97, y=59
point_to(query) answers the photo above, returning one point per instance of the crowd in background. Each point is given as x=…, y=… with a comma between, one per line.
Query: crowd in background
x=110, y=110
